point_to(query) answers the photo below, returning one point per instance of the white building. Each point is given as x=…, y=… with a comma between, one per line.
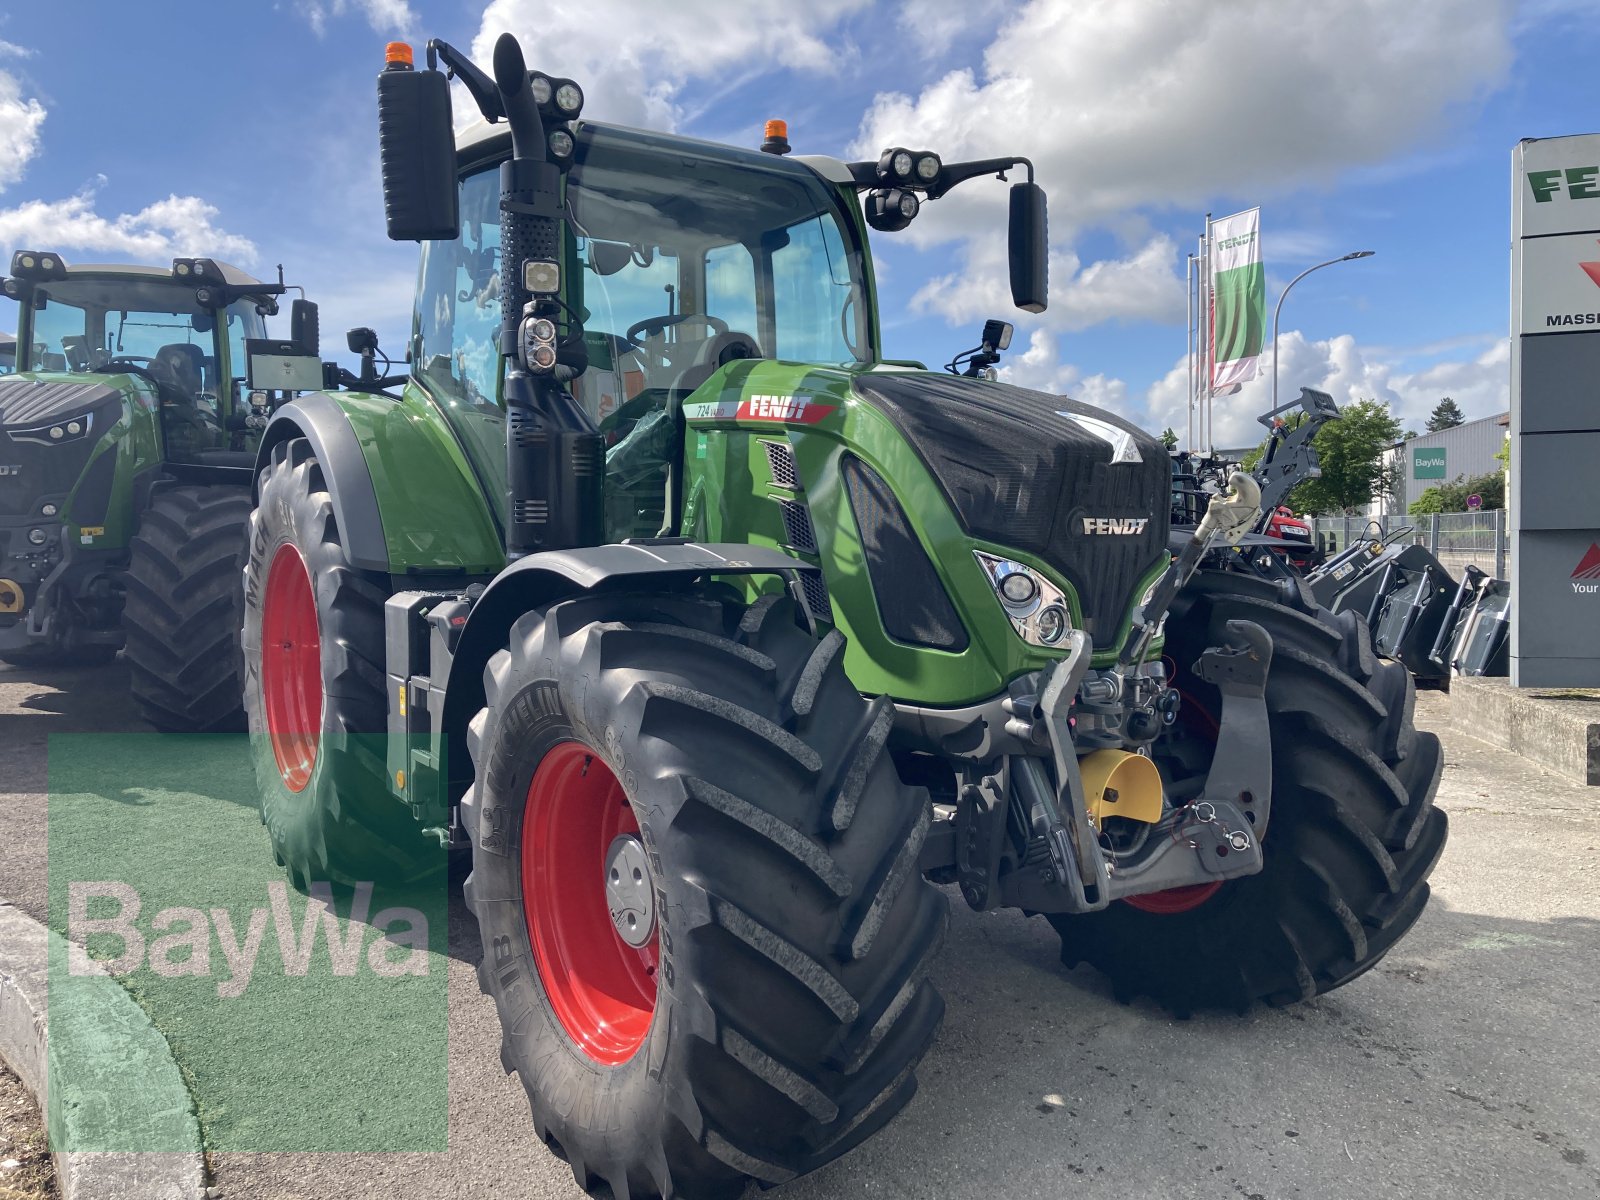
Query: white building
x=1430, y=459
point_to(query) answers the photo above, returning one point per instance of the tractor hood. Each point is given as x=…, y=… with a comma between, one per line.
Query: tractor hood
x=1075, y=485
x=48, y=430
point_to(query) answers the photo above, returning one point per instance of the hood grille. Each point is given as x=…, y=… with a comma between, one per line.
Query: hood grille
x=1021, y=473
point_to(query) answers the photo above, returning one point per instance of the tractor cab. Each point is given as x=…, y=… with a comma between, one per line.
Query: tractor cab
x=172, y=342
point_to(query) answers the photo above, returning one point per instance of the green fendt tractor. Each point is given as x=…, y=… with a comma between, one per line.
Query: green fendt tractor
x=721, y=640
x=126, y=447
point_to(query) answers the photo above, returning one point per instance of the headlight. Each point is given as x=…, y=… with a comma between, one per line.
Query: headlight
x=928, y=167
x=541, y=87
x=56, y=432
x=1036, y=608
x=569, y=99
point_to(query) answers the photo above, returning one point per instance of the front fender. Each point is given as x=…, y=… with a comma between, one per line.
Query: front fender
x=405, y=498
x=540, y=579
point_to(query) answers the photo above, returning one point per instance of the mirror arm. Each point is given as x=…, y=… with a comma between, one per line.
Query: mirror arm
x=865, y=174
x=458, y=66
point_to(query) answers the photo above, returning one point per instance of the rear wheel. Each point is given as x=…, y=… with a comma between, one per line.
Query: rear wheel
x=1353, y=834
x=695, y=875
x=314, y=691
x=184, y=608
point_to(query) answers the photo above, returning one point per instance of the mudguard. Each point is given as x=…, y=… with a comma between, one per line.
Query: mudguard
x=539, y=579
x=407, y=502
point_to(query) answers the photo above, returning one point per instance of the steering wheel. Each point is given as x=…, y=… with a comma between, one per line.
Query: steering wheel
x=651, y=326
x=139, y=364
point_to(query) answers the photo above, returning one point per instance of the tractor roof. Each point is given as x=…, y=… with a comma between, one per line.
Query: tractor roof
x=231, y=275
x=482, y=143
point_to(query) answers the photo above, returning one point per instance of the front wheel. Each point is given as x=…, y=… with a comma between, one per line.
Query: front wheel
x=694, y=870
x=1353, y=833
x=314, y=691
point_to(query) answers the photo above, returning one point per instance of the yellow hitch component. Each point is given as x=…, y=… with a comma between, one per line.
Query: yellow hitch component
x=1119, y=784
x=10, y=596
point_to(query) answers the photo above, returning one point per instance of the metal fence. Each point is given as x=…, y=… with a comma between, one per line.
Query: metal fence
x=1456, y=539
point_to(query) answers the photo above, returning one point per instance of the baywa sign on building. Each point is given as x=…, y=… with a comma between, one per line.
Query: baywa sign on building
x=1427, y=462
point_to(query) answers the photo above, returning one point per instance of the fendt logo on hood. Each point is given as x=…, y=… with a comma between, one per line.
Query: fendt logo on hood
x=1116, y=526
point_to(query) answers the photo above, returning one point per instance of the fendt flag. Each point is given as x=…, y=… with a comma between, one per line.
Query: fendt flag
x=1239, y=298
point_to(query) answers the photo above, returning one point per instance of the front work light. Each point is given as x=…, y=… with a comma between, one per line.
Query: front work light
x=890, y=210
x=541, y=277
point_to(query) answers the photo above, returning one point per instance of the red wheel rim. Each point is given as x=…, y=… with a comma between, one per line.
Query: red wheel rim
x=1192, y=896
x=603, y=990
x=291, y=667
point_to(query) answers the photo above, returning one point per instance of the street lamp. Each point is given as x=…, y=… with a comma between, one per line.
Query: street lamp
x=1354, y=254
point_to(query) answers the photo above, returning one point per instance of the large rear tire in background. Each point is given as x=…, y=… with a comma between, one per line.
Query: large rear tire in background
x=1353, y=833
x=314, y=690
x=709, y=772
x=184, y=609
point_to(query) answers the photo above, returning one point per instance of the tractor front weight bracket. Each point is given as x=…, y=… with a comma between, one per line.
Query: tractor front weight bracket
x=1215, y=837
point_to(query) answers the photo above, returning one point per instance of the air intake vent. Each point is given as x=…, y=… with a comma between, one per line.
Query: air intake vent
x=912, y=602
x=816, y=595
x=780, y=460
x=797, y=526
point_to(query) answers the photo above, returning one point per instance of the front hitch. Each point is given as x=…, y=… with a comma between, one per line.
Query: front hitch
x=1214, y=837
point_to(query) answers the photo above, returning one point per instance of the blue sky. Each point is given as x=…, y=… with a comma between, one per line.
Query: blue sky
x=249, y=131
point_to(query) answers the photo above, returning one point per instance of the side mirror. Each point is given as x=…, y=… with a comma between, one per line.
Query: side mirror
x=1030, y=248
x=416, y=144
x=303, y=326
x=607, y=258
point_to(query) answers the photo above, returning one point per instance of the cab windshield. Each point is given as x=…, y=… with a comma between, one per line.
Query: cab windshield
x=149, y=327
x=682, y=257
x=155, y=331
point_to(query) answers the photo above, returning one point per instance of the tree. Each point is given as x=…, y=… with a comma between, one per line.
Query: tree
x=1446, y=414
x=1452, y=497
x=1169, y=438
x=1350, y=451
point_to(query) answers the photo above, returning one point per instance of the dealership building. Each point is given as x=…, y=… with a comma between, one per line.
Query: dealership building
x=1430, y=459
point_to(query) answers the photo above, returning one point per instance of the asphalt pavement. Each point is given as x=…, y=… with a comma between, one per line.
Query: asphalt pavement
x=1465, y=1064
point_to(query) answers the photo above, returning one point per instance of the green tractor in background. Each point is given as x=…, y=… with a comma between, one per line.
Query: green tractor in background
x=719, y=640
x=127, y=442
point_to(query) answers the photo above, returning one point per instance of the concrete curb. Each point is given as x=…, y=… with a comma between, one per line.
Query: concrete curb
x=114, y=1073
x=1558, y=733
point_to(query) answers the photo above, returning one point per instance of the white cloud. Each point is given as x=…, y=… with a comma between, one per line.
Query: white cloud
x=1037, y=367
x=1131, y=107
x=1480, y=384
x=19, y=125
x=175, y=226
x=933, y=26
x=385, y=16
x=1121, y=105
x=1141, y=286
x=633, y=59
x=12, y=50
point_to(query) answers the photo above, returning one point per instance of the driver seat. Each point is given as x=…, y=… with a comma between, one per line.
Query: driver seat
x=184, y=365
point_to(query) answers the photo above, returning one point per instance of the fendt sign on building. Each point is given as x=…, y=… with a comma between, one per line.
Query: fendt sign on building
x=1555, y=412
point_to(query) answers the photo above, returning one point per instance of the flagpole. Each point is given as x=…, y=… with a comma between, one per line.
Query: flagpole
x=1211, y=349
x=1188, y=355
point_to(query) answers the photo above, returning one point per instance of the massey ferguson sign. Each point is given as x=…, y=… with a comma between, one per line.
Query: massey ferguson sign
x=1555, y=412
